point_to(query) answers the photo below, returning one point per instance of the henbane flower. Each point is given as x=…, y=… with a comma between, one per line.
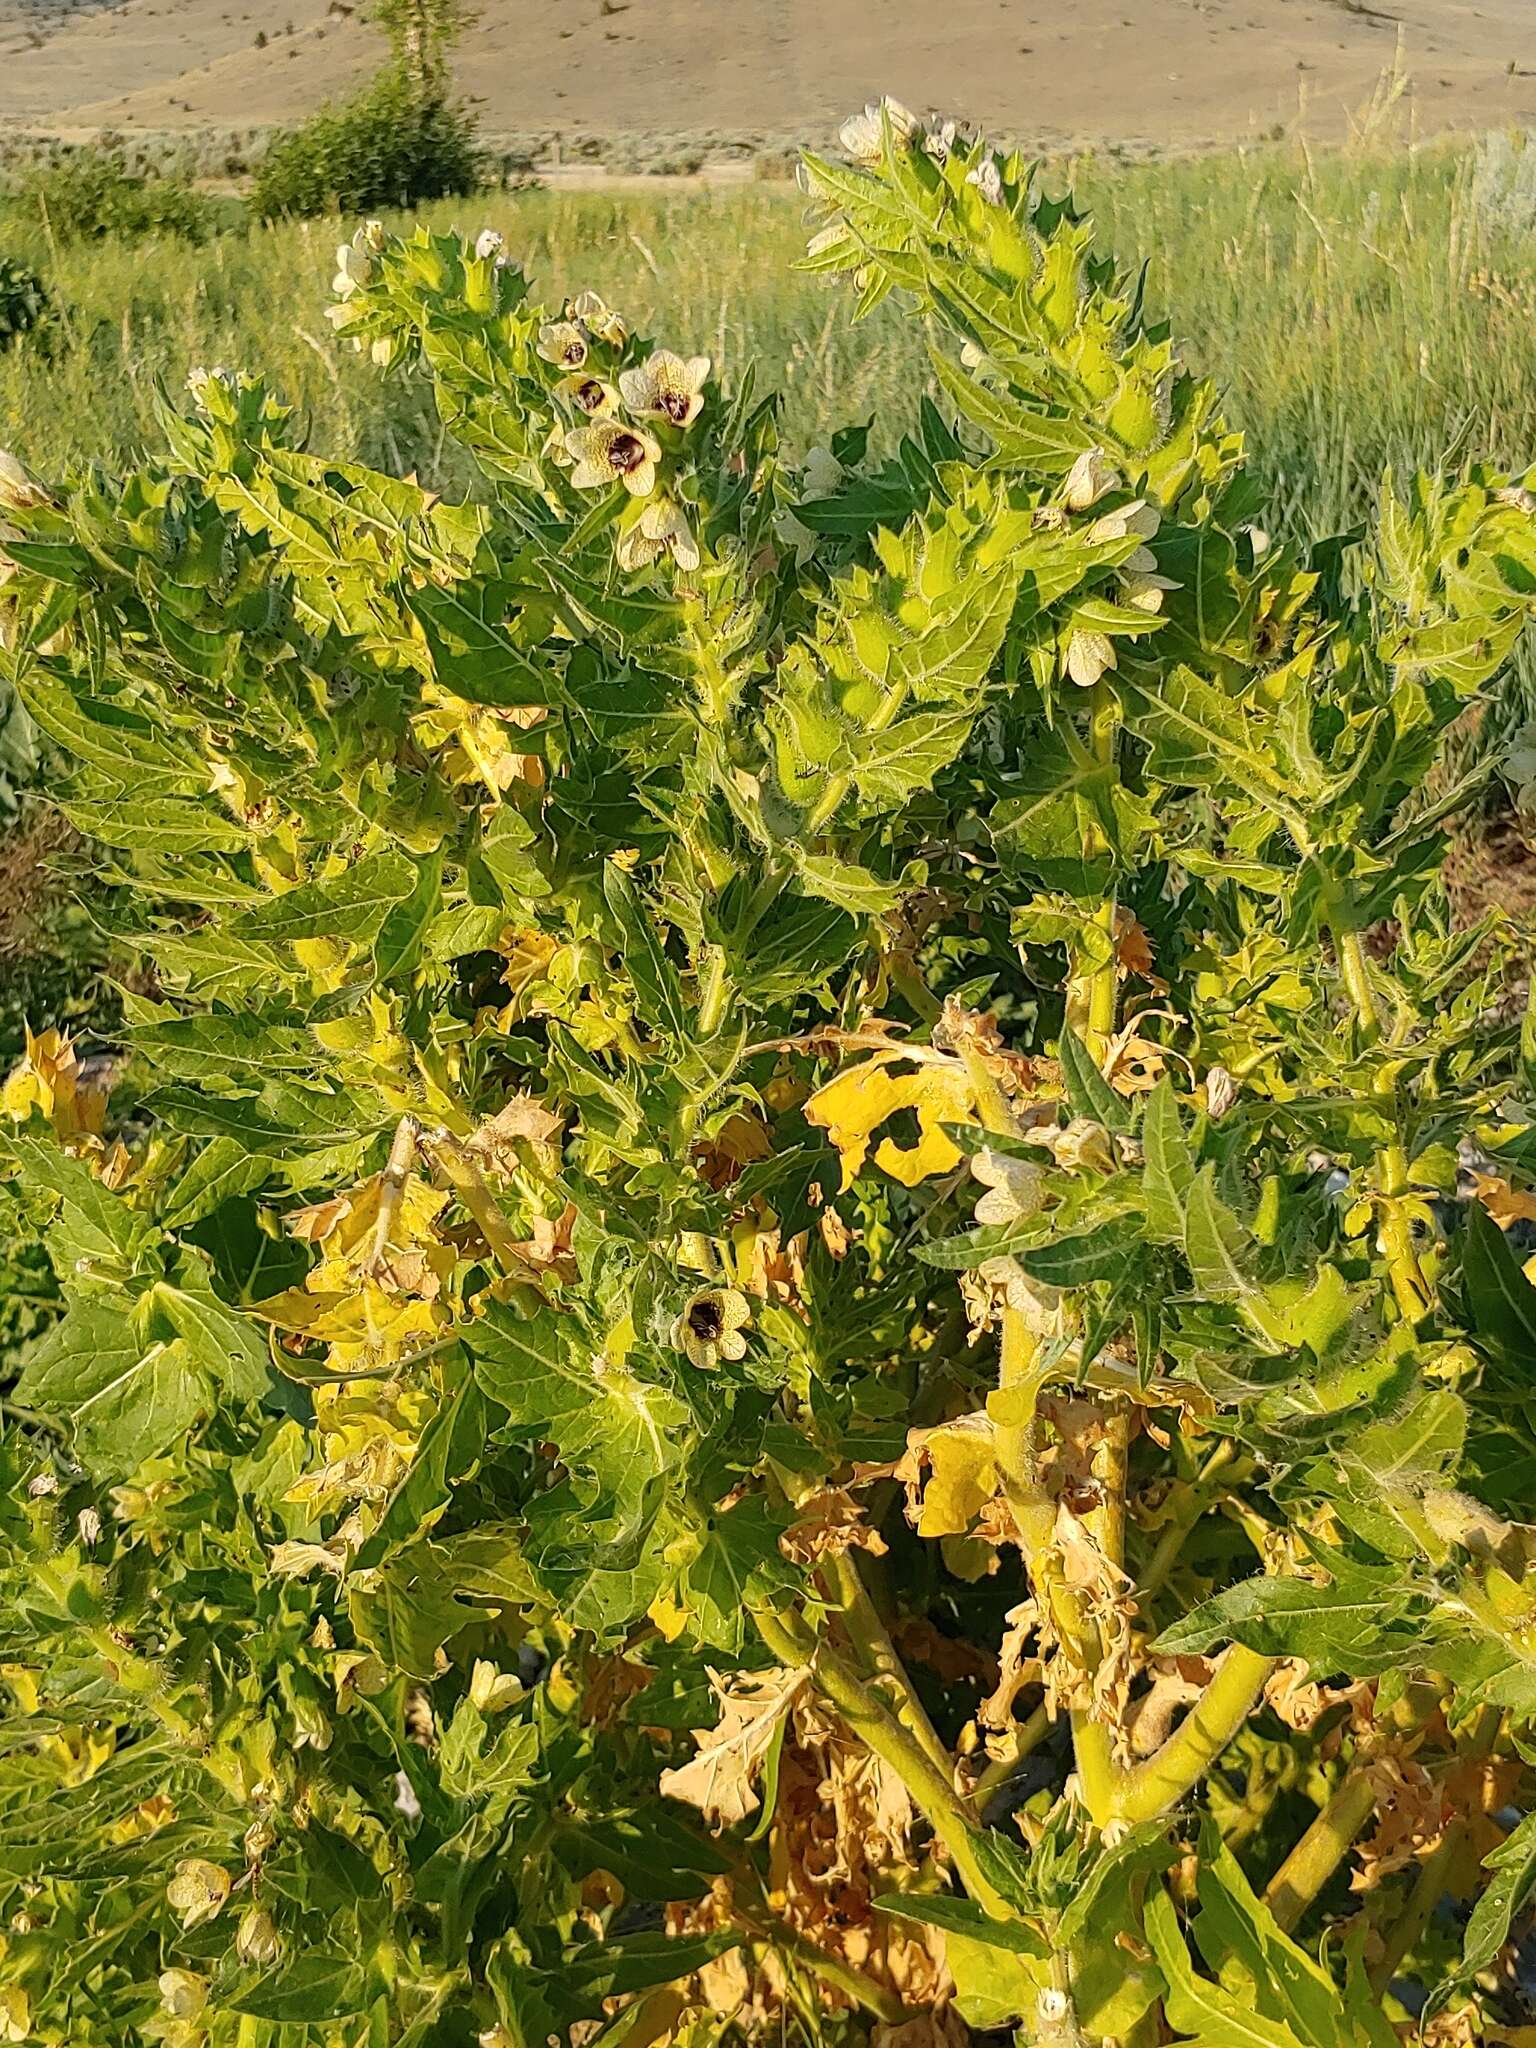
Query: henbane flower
x=610, y=452
x=598, y=318
x=863, y=135
x=563, y=342
x=1089, y=478
x=197, y=1891
x=710, y=1326
x=662, y=528
x=594, y=396
x=668, y=387
x=988, y=180
x=1015, y=1187
x=1088, y=656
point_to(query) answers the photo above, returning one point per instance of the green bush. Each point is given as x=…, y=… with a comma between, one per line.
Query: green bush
x=91, y=194
x=626, y=1464
x=23, y=301
x=387, y=146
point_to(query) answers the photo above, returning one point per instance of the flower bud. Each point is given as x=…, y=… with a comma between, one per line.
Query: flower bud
x=256, y=1938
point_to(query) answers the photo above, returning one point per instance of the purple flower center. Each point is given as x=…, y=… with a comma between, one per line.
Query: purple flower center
x=706, y=1319
x=626, y=452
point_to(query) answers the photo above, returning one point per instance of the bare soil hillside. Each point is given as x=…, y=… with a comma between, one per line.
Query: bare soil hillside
x=1145, y=73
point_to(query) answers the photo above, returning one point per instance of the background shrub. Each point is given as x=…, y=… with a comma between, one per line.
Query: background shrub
x=93, y=194
x=387, y=146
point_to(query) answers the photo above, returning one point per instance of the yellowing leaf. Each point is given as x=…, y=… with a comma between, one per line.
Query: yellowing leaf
x=852, y=1108
x=1505, y=1204
x=961, y=1457
x=719, y=1779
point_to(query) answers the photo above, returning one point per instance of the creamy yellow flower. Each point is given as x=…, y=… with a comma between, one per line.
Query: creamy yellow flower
x=490, y=1689
x=183, y=1994
x=599, y=318
x=563, y=342
x=1137, y=518
x=197, y=1891
x=1088, y=656
x=15, y=2013
x=355, y=260
x=988, y=180
x=863, y=135
x=489, y=245
x=661, y=529
x=710, y=1326
x=594, y=396
x=1015, y=1188
x=608, y=452
x=1089, y=478
x=1143, y=589
x=669, y=387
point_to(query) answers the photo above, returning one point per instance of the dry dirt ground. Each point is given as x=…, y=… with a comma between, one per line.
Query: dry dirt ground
x=1142, y=73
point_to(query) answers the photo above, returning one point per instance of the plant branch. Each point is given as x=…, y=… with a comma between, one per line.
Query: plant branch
x=1321, y=1849
x=1169, y=1775
x=870, y=1636
x=878, y=1728
x=1202, y=1491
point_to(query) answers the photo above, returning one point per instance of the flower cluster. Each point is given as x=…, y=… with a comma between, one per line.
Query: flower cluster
x=633, y=420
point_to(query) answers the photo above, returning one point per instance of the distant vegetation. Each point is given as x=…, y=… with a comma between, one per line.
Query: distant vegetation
x=403, y=139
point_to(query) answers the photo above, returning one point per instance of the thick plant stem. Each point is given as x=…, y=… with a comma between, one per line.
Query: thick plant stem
x=870, y=1636
x=469, y=1184
x=1414, y=1918
x=1356, y=971
x=932, y=1789
x=1321, y=1850
x=1165, y=1778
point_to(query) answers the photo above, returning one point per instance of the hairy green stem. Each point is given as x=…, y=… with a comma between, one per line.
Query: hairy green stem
x=1170, y=1545
x=469, y=1184
x=870, y=1636
x=1355, y=968
x=1321, y=1850
x=1163, y=1779
x=931, y=1788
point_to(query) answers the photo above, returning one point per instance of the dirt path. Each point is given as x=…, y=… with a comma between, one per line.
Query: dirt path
x=1148, y=73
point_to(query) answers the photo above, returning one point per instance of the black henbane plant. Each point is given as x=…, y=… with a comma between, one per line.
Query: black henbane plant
x=780, y=1346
